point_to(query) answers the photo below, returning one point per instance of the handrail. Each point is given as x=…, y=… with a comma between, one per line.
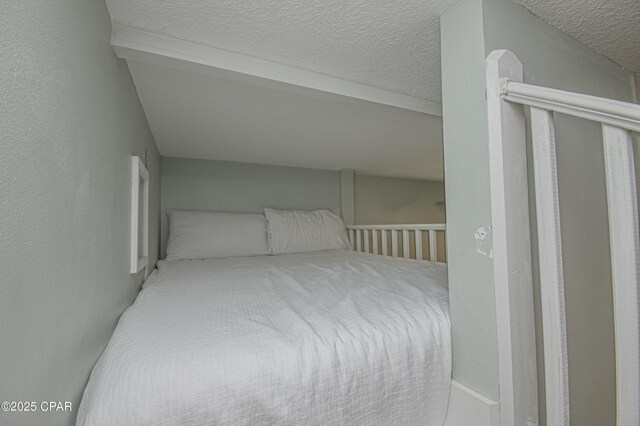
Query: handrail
x=435, y=226
x=601, y=110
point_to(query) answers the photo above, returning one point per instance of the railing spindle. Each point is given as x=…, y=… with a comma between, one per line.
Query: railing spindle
x=405, y=243
x=418, y=237
x=551, y=272
x=622, y=202
x=366, y=240
x=374, y=236
x=394, y=243
x=384, y=242
x=433, y=256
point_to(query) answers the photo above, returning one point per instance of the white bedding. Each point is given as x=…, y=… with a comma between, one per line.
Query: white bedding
x=325, y=338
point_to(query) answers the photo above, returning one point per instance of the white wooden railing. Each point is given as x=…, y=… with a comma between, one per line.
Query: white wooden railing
x=506, y=96
x=405, y=241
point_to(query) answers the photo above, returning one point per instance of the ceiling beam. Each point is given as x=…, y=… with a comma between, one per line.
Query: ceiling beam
x=143, y=46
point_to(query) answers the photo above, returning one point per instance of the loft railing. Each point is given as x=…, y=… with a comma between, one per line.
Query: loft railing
x=421, y=242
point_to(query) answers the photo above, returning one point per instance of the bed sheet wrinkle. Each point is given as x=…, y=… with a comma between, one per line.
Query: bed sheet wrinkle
x=335, y=338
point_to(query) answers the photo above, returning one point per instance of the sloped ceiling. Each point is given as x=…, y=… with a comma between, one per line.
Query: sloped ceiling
x=378, y=115
x=200, y=116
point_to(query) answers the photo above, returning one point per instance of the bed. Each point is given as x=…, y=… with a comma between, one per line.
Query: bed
x=332, y=337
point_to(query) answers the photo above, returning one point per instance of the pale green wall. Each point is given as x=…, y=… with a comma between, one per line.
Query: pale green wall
x=549, y=58
x=466, y=159
x=383, y=200
x=69, y=120
x=241, y=187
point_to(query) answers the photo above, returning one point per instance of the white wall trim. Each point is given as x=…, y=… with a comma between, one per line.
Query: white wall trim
x=468, y=407
x=143, y=46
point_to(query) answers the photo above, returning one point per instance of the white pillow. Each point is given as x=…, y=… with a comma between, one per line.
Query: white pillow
x=297, y=231
x=208, y=235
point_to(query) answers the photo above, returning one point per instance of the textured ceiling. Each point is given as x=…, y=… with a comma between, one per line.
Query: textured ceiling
x=394, y=45
x=610, y=27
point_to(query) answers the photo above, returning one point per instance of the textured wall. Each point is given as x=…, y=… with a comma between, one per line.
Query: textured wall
x=380, y=200
x=69, y=120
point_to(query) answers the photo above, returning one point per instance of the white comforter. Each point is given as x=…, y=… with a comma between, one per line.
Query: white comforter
x=324, y=338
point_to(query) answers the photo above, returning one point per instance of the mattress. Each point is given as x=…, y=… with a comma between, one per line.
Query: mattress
x=327, y=338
